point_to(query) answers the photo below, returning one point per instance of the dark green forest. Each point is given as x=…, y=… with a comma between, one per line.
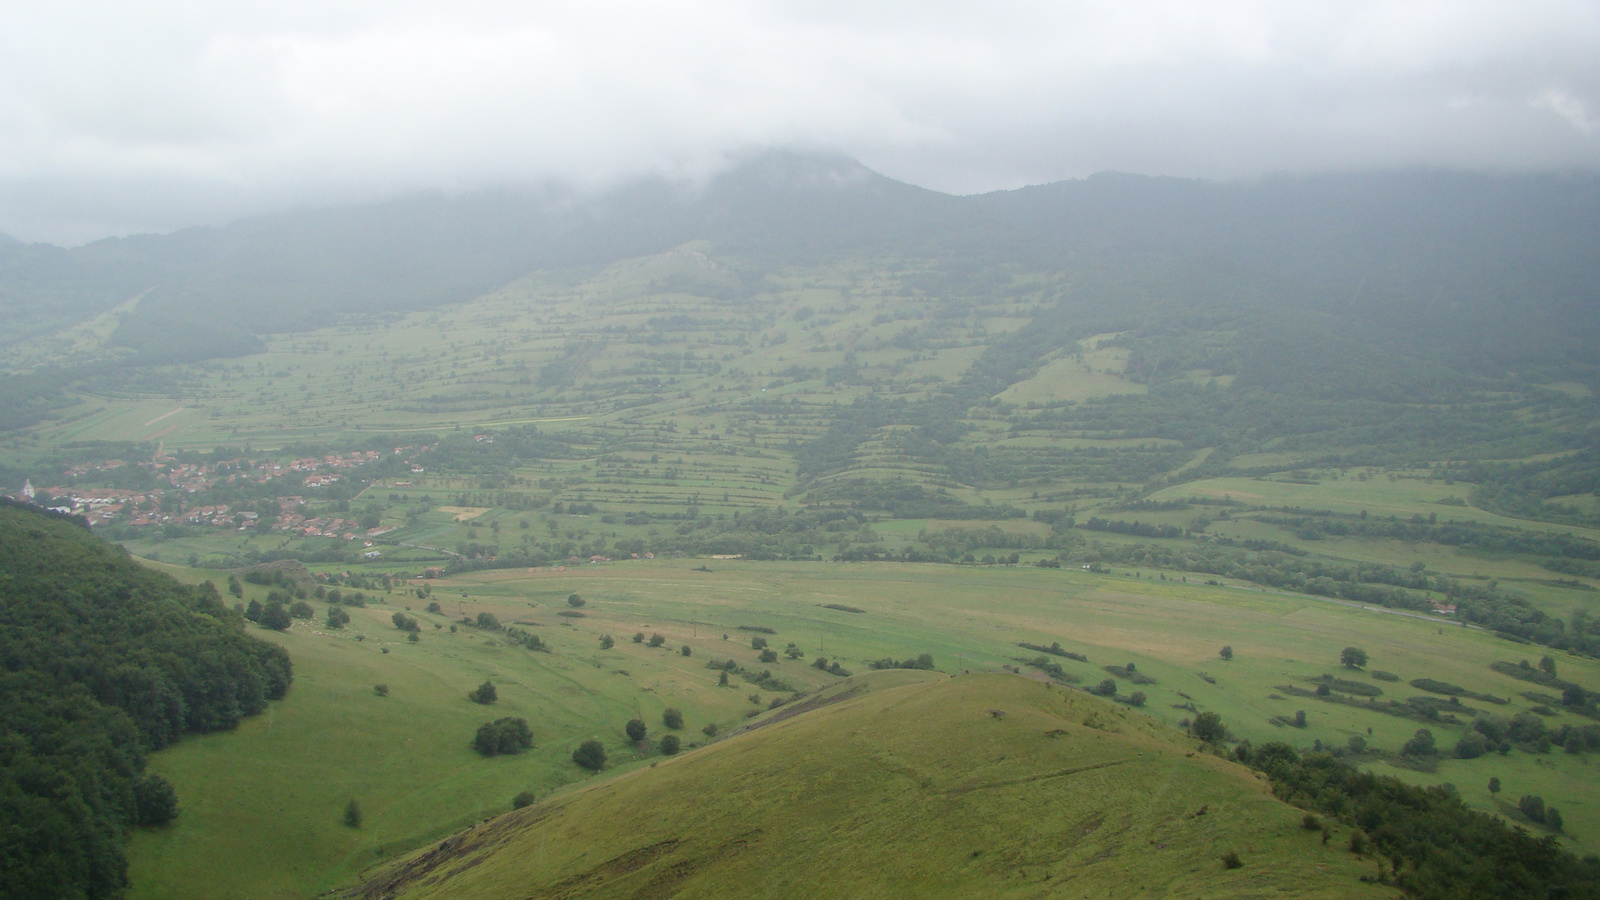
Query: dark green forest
x=101, y=662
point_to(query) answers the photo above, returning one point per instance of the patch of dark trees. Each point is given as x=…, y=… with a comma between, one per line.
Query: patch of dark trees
x=1434, y=845
x=101, y=662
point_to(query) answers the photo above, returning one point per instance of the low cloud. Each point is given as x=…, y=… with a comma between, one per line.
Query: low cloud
x=116, y=118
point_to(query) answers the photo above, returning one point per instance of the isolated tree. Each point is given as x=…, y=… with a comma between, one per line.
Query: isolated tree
x=488, y=621
x=1299, y=718
x=722, y=679
x=1353, y=658
x=234, y=587
x=1137, y=698
x=1494, y=785
x=574, y=601
x=1421, y=744
x=638, y=637
x=485, y=693
x=1226, y=653
x=302, y=610
x=503, y=736
x=1552, y=818
x=657, y=640
x=1532, y=806
x=352, y=814
x=672, y=718
x=591, y=755
x=1106, y=688
x=758, y=643
x=669, y=744
x=276, y=617
x=710, y=730
x=1547, y=665
x=414, y=638
x=1208, y=727
x=636, y=730
x=684, y=650
x=1357, y=744
x=382, y=690
x=523, y=798
x=253, y=611
x=769, y=655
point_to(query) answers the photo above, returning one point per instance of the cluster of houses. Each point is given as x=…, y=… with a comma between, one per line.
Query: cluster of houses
x=145, y=507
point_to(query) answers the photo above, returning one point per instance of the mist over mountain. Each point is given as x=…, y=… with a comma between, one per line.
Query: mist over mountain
x=1460, y=254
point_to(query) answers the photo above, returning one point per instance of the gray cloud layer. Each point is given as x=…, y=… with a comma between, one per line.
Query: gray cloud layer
x=119, y=117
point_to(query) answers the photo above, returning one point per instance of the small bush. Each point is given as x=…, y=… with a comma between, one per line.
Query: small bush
x=382, y=690
x=606, y=642
x=352, y=814
x=1231, y=860
x=638, y=637
x=669, y=744
x=1311, y=823
x=485, y=693
x=657, y=640
x=523, y=798
x=710, y=730
x=672, y=718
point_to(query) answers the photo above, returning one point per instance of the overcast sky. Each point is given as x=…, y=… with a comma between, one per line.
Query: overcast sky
x=120, y=117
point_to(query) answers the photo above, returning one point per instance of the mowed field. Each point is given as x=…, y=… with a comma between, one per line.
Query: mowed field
x=269, y=797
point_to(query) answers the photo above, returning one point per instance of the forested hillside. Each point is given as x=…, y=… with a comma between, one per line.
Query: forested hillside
x=103, y=661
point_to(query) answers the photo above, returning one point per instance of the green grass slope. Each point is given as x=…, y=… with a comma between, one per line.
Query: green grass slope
x=905, y=784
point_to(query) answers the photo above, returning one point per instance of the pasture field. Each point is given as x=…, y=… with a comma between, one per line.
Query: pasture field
x=897, y=786
x=269, y=796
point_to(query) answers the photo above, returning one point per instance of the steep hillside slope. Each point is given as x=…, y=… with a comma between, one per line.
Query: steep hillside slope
x=905, y=784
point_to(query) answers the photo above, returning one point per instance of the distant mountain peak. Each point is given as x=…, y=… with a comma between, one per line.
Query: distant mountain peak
x=799, y=170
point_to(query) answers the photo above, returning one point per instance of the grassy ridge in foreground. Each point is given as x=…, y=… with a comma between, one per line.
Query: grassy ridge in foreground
x=909, y=784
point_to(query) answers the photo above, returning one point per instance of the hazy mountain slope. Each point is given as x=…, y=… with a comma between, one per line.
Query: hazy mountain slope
x=1466, y=256
x=898, y=785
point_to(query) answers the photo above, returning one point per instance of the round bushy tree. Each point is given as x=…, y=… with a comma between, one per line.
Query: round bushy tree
x=1208, y=727
x=503, y=736
x=1353, y=658
x=591, y=755
x=669, y=745
x=672, y=718
x=154, y=800
x=636, y=729
x=485, y=693
x=276, y=617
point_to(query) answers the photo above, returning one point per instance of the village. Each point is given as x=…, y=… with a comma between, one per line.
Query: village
x=177, y=492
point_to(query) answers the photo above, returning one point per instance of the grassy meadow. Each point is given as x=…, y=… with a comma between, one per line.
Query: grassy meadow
x=908, y=784
x=269, y=796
